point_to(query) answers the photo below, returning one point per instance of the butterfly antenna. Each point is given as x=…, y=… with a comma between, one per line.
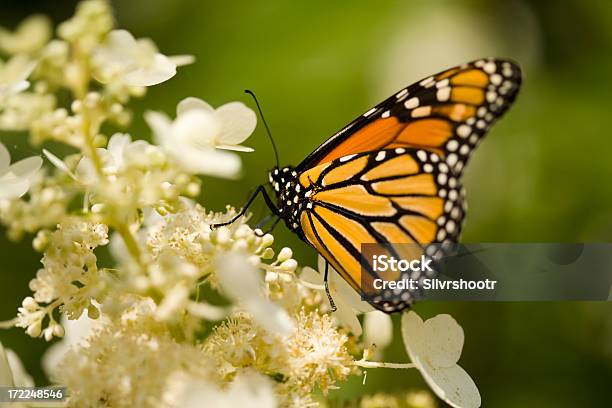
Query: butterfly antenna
x=266, y=125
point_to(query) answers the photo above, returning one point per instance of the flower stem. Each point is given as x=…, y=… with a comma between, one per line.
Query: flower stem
x=380, y=364
x=130, y=242
x=8, y=324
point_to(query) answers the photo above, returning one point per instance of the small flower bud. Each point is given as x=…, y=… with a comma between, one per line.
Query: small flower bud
x=284, y=254
x=268, y=253
x=97, y=208
x=193, y=189
x=29, y=304
x=267, y=240
x=48, y=334
x=34, y=329
x=289, y=265
x=76, y=106
x=271, y=276
x=58, y=330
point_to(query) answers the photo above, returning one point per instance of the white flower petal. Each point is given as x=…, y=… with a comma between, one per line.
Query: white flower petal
x=29, y=36
x=209, y=162
x=160, y=124
x=444, y=340
x=196, y=129
x=118, y=45
x=85, y=171
x=57, y=162
x=176, y=299
x=340, y=288
x=5, y=158
x=270, y=316
x=453, y=385
x=378, y=328
x=249, y=389
x=412, y=334
x=192, y=103
x=160, y=70
x=19, y=86
x=6, y=375
x=75, y=333
x=347, y=317
x=25, y=168
x=207, y=311
x=311, y=278
x=117, y=146
x=238, y=123
x=13, y=188
x=21, y=378
x=236, y=148
x=239, y=279
x=181, y=60
x=16, y=71
x=242, y=282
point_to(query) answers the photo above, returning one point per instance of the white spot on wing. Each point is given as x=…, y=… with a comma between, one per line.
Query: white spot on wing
x=370, y=112
x=443, y=94
x=427, y=82
x=442, y=84
x=401, y=94
x=412, y=103
x=489, y=67
x=464, y=131
x=346, y=158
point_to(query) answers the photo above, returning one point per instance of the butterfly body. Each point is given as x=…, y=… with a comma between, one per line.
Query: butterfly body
x=393, y=175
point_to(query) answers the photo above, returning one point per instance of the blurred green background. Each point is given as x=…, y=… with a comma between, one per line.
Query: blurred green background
x=543, y=174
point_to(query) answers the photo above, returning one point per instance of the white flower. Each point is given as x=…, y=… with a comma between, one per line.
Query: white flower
x=242, y=282
x=15, y=179
x=12, y=371
x=247, y=390
x=13, y=75
x=347, y=300
x=29, y=36
x=434, y=347
x=131, y=62
x=120, y=149
x=198, y=129
x=75, y=334
x=378, y=329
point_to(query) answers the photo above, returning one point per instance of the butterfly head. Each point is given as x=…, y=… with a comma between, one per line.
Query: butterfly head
x=279, y=177
x=289, y=194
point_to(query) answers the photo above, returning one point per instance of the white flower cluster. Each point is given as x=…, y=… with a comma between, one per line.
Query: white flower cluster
x=184, y=314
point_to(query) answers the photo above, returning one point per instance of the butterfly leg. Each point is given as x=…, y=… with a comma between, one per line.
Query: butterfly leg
x=259, y=190
x=264, y=222
x=329, y=296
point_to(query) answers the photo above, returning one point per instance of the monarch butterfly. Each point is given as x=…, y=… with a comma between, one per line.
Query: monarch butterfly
x=393, y=175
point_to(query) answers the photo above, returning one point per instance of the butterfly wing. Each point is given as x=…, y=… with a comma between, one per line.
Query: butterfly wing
x=391, y=196
x=448, y=113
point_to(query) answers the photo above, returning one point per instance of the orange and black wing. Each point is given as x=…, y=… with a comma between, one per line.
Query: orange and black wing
x=448, y=113
x=391, y=196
